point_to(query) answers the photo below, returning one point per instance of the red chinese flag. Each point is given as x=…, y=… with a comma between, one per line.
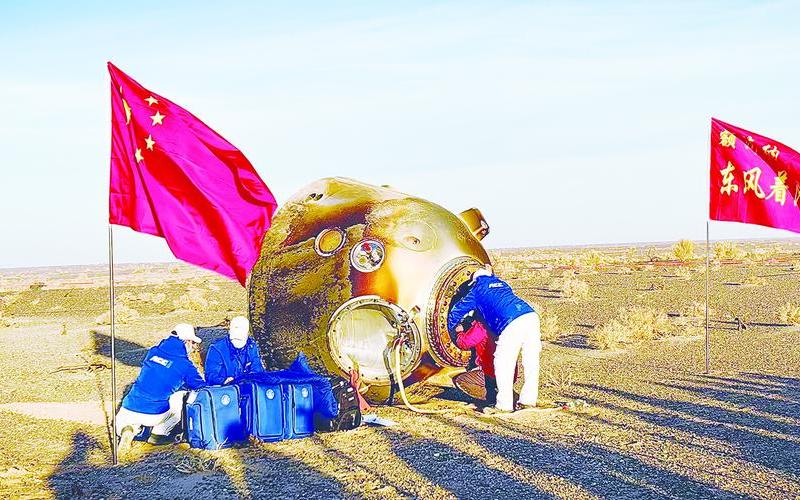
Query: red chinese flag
x=174, y=177
x=754, y=179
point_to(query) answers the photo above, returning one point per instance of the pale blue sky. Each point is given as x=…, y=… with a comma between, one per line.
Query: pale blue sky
x=565, y=123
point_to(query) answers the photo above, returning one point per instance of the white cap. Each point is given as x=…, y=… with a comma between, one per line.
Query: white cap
x=238, y=332
x=185, y=331
x=481, y=272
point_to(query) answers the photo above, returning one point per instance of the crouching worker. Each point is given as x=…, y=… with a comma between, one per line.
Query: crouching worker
x=233, y=357
x=473, y=334
x=517, y=327
x=156, y=398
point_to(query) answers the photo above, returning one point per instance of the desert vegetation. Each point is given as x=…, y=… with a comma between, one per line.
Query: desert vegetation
x=623, y=353
x=790, y=313
x=549, y=323
x=683, y=250
x=633, y=325
x=727, y=250
x=570, y=286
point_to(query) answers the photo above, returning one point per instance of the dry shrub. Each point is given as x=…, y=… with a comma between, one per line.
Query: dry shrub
x=727, y=250
x=634, y=324
x=763, y=251
x=4, y=321
x=683, y=250
x=691, y=320
x=654, y=254
x=610, y=336
x=592, y=259
x=790, y=313
x=644, y=323
x=759, y=255
x=549, y=326
x=697, y=311
x=122, y=314
x=193, y=300
x=583, y=259
x=571, y=287
x=559, y=378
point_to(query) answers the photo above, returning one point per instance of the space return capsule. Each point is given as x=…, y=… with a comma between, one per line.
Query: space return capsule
x=347, y=268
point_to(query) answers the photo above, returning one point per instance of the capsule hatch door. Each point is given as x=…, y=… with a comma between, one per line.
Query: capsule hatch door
x=362, y=333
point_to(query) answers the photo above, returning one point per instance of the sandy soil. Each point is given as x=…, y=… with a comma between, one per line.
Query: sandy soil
x=656, y=425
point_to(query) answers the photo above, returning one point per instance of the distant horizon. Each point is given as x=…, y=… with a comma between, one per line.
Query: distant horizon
x=664, y=243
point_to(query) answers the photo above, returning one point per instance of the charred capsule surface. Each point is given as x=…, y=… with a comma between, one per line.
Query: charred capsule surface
x=347, y=268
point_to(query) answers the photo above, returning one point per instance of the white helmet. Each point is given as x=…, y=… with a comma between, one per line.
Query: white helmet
x=238, y=332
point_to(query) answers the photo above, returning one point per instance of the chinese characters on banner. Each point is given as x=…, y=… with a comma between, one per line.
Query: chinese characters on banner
x=754, y=179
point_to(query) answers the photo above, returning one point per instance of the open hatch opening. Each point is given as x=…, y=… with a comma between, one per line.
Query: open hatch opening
x=362, y=332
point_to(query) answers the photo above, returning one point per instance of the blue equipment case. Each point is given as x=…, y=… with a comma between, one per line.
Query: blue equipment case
x=301, y=411
x=273, y=412
x=213, y=419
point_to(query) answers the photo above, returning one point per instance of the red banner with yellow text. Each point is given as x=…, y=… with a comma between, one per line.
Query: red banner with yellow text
x=754, y=179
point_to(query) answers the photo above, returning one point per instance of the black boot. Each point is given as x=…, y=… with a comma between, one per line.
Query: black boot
x=491, y=390
x=158, y=439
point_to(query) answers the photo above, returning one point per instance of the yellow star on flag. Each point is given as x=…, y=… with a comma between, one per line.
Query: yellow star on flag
x=150, y=142
x=157, y=118
x=151, y=100
x=127, y=112
x=138, y=155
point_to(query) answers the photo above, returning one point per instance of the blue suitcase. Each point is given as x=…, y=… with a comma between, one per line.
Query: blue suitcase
x=300, y=411
x=213, y=419
x=262, y=410
x=272, y=412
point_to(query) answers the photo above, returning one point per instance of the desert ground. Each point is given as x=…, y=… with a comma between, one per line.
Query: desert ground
x=624, y=332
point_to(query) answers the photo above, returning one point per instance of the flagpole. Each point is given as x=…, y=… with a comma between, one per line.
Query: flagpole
x=113, y=346
x=708, y=259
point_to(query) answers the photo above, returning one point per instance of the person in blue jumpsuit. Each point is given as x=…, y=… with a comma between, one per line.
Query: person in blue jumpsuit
x=156, y=398
x=234, y=357
x=517, y=327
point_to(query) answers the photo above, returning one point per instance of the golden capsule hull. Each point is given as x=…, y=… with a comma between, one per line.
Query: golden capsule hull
x=348, y=270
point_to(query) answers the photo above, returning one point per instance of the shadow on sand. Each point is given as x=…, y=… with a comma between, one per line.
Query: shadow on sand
x=127, y=353
x=762, y=425
x=156, y=475
x=132, y=354
x=765, y=436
